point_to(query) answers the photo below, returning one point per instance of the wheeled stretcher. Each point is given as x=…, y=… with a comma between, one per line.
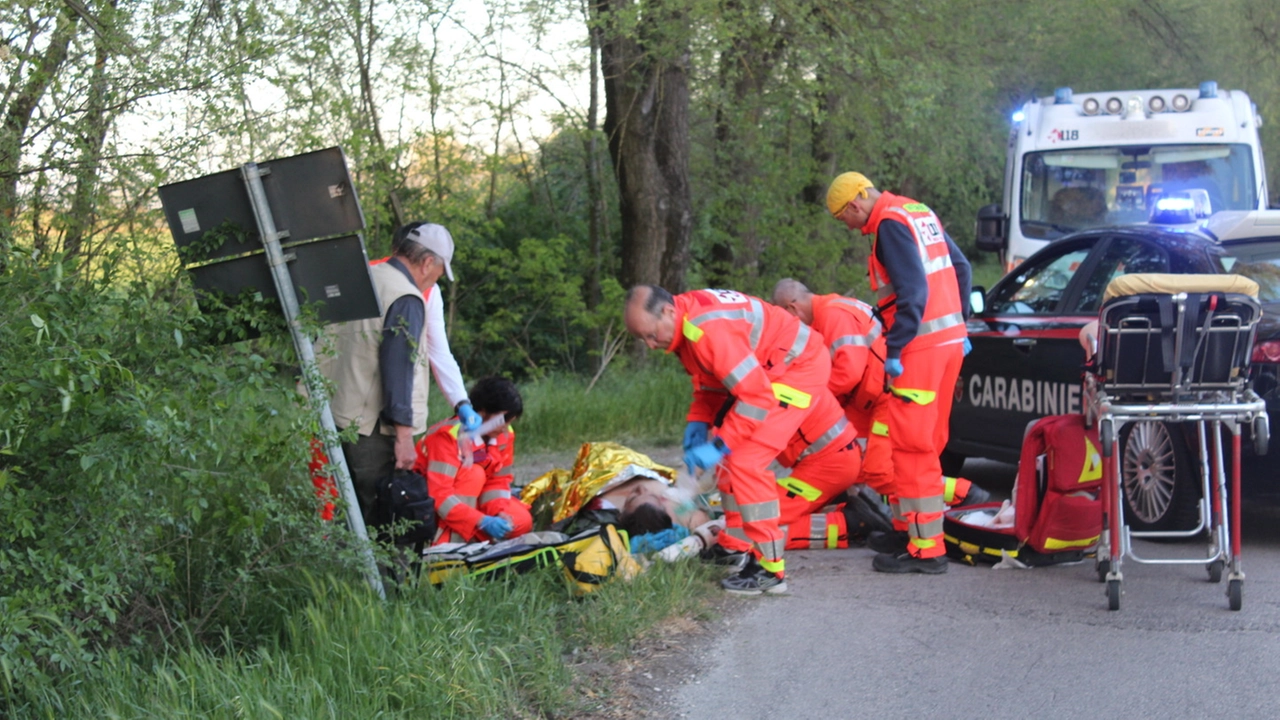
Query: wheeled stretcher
x=1176, y=349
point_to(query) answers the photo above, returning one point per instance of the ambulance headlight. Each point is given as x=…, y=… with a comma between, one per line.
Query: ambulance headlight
x=1114, y=106
x=1181, y=103
x=1156, y=104
x=1091, y=106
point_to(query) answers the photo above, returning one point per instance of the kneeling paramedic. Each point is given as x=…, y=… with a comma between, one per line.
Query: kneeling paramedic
x=921, y=282
x=733, y=344
x=469, y=473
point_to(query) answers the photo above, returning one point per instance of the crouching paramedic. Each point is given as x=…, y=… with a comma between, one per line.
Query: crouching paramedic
x=735, y=344
x=469, y=476
x=921, y=282
x=853, y=335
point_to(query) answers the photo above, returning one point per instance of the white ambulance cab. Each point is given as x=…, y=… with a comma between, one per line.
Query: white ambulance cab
x=1077, y=161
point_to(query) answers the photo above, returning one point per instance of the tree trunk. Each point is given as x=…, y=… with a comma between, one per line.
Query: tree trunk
x=17, y=116
x=97, y=120
x=647, y=122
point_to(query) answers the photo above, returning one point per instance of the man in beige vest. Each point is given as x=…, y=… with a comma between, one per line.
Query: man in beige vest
x=375, y=364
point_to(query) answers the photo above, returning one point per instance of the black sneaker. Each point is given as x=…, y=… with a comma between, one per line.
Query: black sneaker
x=754, y=580
x=888, y=542
x=908, y=563
x=720, y=555
x=976, y=496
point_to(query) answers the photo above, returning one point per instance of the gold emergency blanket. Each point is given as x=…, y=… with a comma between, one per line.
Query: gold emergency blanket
x=599, y=467
x=1170, y=284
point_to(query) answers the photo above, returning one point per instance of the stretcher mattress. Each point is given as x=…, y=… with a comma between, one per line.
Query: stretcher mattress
x=1169, y=284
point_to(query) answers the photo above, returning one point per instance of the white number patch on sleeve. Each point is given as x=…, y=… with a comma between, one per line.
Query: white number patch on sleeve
x=728, y=296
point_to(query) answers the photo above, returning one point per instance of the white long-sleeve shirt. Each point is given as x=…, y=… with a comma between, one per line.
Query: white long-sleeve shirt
x=443, y=365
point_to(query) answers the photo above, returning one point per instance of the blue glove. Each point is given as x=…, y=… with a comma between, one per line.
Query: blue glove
x=968, y=347
x=893, y=367
x=706, y=455
x=695, y=434
x=469, y=417
x=495, y=526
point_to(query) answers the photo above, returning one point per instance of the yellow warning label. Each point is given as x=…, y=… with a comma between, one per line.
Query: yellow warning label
x=1092, y=463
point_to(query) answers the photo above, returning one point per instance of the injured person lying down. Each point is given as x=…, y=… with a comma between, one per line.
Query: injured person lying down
x=659, y=507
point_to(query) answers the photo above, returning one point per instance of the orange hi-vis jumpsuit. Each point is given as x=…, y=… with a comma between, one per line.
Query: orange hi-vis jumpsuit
x=773, y=367
x=857, y=345
x=465, y=495
x=824, y=461
x=918, y=412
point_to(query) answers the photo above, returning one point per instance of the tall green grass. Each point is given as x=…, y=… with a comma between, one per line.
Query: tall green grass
x=627, y=405
x=472, y=649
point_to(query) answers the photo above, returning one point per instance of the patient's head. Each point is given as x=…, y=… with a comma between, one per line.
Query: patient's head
x=643, y=517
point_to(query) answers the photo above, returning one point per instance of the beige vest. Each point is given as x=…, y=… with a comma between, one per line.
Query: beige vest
x=348, y=356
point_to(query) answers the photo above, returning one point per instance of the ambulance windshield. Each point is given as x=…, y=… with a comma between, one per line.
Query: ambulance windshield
x=1068, y=190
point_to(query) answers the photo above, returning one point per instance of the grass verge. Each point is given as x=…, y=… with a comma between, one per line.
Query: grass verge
x=472, y=649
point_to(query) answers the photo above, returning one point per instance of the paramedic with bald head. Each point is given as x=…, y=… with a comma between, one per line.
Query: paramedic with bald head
x=770, y=371
x=921, y=282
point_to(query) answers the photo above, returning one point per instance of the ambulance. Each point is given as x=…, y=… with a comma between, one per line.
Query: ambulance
x=1078, y=161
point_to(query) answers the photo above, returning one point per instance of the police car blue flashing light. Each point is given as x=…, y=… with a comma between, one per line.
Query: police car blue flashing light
x=1173, y=211
x=1019, y=116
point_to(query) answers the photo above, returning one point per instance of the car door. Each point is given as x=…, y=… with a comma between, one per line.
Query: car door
x=1026, y=358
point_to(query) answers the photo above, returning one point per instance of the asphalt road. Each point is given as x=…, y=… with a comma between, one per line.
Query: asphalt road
x=984, y=643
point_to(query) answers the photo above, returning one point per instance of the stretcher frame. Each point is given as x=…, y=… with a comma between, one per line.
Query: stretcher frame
x=1214, y=400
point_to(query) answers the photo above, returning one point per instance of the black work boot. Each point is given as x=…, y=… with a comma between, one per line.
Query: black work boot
x=976, y=496
x=893, y=542
x=907, y=563
x=865, y=514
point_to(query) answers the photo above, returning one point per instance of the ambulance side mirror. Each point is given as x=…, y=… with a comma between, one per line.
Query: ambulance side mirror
x=992, y=228
x=977, y=300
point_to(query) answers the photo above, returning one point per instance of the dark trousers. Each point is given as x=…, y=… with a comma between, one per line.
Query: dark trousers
x=370, y=458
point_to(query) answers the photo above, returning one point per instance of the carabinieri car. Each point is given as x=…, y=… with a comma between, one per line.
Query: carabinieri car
x=1027, y=358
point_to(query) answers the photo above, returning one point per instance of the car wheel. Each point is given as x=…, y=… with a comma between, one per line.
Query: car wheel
x=952, y=463
x=1160, y=492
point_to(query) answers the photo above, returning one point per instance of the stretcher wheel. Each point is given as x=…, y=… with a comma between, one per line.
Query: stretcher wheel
x=1113, y=595
x=1102, y=567
x=1215, y=571
x=1107, y=435
x=1235, y=593
x=1261, y=434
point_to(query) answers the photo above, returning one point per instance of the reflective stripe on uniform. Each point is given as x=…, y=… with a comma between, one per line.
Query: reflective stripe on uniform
x=728, y=503
x=939, y=324
x=443, y=468
x=948, y=489
x=833, y=534
x=854, y=340
x=454, y=501
x=924, y=543
x=885, y=291
x=937, y=264
x=743, y=368
x=691, y=331
x=825, y=438
x=797, y=347
x=931, y=504
x=771, y=554
x=919, y=397
x=758, y=512
x=737, y=532
x=817, y=528
x=491, y=495
x=750, y=411
x=879, y=428
x=755, y=316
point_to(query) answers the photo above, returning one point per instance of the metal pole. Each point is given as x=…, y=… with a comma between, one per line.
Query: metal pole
x=306, y=353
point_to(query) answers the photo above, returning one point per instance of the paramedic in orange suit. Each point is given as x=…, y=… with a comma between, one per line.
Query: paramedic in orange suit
x=853, y=335
x=473, y=495
x=767, y=367
x=921, y=282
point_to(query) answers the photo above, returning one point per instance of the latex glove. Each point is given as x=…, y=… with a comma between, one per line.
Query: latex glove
x=469, y=417
x=706, y=455
x=695, y=434
x=893, y=367
x=495, y=526
x=968, y=347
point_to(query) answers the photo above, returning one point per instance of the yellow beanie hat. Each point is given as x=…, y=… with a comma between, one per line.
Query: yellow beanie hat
x=845, y=188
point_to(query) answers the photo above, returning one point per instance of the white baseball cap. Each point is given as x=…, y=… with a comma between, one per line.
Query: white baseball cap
x=436, y=239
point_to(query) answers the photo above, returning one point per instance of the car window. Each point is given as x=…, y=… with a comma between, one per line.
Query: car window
x=1039, y=284
x=1123, y=255
x=1258, y=261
